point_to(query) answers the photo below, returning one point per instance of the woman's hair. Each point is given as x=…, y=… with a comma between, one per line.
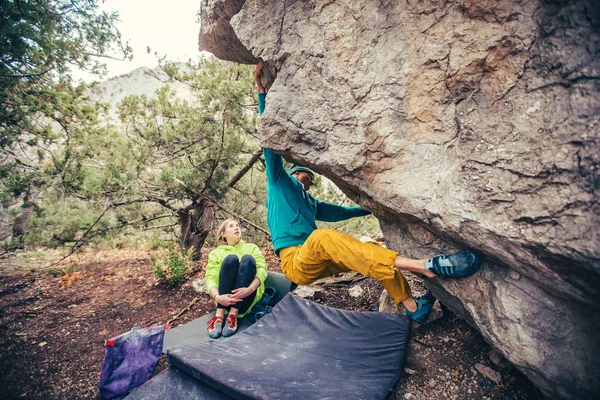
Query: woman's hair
x=222, y=227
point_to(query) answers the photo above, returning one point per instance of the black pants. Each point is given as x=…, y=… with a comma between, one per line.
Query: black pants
x=236, y=274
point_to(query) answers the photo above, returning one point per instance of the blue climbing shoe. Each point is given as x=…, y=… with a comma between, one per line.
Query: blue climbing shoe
x=458, y=265
x=231, y=325
x=215, y=327
x=424, y=306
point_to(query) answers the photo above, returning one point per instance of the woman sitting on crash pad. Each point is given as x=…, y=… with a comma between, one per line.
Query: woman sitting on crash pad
x=235, y=276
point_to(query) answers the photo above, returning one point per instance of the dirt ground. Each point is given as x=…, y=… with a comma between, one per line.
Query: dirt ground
x=53, y=327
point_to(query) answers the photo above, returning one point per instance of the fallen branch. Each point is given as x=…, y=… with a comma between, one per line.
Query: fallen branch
x=421, y=343
x=359, y=278
x=183, y=311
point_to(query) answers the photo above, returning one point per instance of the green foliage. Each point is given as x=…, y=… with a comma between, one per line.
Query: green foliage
x=168, y=152
x=183, y=146
x=170, y=146
x=47, y=36
x=173, y=265
x=43, y=117
x=41, y=41
x=156, y=244
x=59, y=220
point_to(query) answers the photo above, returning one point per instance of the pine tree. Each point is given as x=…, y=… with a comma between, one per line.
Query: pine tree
x=40, y=109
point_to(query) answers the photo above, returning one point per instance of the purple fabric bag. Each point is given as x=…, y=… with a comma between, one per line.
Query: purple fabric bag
x=130, y=360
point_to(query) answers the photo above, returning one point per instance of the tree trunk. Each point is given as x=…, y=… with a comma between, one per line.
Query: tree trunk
x=196, y=224
x=19, y=228
x=20, y=223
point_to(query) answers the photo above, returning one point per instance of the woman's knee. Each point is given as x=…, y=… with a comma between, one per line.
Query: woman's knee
x=230, y=262
x=248, y=260
x=247, y=266
x=232, y=258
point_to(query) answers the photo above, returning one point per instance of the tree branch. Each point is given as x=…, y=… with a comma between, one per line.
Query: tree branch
x=78, y=243
x=143, y=220
x=216, y=164
x=246, y=168
x=161, y=226
x=106, y=56
x=169, y=322
x=216, y=203
x=19, y=76
x=127, y=202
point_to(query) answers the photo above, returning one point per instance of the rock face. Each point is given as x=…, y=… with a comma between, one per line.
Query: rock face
x=459, y=124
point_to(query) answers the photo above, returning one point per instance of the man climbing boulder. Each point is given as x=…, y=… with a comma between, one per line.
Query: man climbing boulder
x=307, y=253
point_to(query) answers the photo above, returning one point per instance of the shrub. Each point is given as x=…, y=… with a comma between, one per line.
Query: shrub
x=173, y=265
x=156, y=244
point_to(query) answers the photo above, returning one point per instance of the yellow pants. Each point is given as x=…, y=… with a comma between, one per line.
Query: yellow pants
x=327, y=252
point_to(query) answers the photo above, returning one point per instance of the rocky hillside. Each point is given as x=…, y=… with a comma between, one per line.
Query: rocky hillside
x=459, y=124
x=141, y=81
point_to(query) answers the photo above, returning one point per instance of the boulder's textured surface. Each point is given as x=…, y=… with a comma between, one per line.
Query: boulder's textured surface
x=459, y=124
x=218, y=36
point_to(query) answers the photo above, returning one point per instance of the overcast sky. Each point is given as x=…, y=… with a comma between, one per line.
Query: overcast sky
x=168, y=27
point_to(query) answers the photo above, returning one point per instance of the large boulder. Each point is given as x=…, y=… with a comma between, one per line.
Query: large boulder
x=459, y=124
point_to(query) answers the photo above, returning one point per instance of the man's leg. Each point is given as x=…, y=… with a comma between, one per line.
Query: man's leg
x=327, y=252
x=412, y=265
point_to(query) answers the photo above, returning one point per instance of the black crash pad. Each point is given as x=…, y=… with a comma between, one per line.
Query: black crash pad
x=175, y=384
x=194, y=332
x=303, y=350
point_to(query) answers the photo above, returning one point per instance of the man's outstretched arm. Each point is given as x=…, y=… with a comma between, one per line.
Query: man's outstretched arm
x=273, y=161
x=330, y=212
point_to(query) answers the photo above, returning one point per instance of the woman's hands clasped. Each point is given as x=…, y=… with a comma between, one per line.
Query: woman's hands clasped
x=235, y=297
x=242, y=293
x=227, y=299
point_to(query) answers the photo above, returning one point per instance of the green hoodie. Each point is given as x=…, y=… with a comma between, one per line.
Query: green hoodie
x=291, y=211
x=215, y=260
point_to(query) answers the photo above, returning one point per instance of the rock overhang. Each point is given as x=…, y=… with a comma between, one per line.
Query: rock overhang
x=463, y=124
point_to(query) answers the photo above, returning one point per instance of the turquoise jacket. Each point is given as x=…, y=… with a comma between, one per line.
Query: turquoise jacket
x=215, y=261
x=291, y=211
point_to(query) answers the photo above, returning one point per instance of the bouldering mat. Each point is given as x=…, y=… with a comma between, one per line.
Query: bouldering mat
x=175, y=384
x=303, y=350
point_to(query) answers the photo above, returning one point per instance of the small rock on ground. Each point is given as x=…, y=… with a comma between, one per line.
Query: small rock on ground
x=199, y=285
x=489, y=373
x=355, y=291
x=306, y=292
x=497, y=359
